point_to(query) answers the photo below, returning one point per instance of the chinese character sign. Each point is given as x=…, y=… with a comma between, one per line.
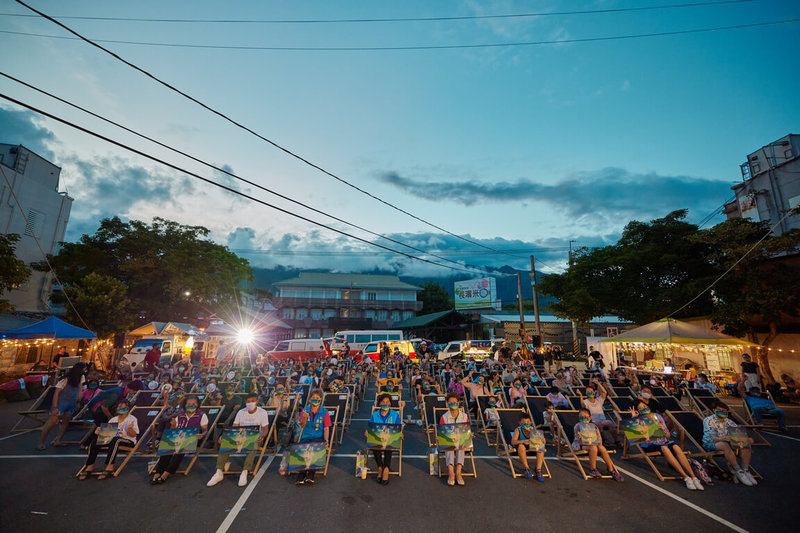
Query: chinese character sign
x=475, y=293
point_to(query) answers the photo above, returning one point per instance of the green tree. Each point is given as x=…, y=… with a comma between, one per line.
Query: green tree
x=434, y=298
x=13, y=272
x=170, y=271
x=102, y=302
x=652, y=270
x=761, y=286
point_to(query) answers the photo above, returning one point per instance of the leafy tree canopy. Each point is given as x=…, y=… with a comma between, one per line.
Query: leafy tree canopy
x=13, y=271
x=435, y=298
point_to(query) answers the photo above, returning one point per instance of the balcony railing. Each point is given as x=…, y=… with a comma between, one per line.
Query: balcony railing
x=336, y=303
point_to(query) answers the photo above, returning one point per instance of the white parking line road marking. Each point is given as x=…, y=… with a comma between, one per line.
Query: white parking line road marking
x=687, y=503
x=17, y=434
x=239, y=505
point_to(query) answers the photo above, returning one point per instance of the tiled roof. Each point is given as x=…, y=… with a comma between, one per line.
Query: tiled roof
x=355, y=281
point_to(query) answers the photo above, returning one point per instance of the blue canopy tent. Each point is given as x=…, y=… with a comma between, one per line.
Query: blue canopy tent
x=49, y=328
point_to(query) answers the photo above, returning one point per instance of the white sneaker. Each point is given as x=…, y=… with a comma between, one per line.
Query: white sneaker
x=698, y=484
x=741, y=475
x=216, y=478
x=751, y=477
x=689, y=483
x=243, y=478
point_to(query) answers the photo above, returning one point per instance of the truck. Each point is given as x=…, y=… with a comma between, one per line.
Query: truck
x=170, y=345
x=478, y=350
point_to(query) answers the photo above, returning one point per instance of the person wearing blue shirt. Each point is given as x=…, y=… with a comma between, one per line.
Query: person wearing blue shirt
x=384, y=415
x=764, y=406
x=315, y=422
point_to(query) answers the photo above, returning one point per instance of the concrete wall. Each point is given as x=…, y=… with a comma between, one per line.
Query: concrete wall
x=35, y=182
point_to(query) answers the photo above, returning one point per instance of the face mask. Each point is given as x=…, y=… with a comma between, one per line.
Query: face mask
x=646, y=395
x=229, y=394
x=721, y=414
x=590, y=395
x=644, y=411
x=517, y=385
x=251, y=406
x=122, y=411
x=583, y=419
x=191, y=408
x=93, y=385
x=526, y=426
x=452, y=406
x=181, y=369
x=384, y=408
x=315, y=402
x=279, y=391
x=492, y=404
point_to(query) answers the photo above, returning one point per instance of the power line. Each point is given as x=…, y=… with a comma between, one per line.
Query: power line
x=245, y=128
x=395, y=19
x=377, y=48
x=225, y=187
x=222, y=170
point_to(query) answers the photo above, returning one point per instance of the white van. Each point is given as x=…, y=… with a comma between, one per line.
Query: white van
x=358, y=339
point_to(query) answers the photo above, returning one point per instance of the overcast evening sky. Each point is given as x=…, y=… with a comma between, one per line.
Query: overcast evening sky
x=516, y=147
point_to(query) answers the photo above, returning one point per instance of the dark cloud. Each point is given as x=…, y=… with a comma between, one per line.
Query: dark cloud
x=112, y=186
x=607, y=192
x=20, y=127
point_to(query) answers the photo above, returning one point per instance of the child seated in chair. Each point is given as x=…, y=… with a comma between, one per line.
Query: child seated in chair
x=716, y=437
x=490, y=413
x=593, y=448
x=668, y=448
x=520, y=440
x=454, y=458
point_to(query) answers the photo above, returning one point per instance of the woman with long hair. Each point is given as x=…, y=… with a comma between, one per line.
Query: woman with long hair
x=64, y=405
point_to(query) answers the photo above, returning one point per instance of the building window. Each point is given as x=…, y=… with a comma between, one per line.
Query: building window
x=287, y=312
x=371, y=296
x=35, y=223
x=330, y=313
x=382, y=315
x=301, y=314
x=408, y=314
x=395, y=316
x=369, y=313
x=316, y=314
x=300, y=333
x=313, y=334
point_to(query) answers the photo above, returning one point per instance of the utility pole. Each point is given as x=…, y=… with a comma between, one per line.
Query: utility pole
x=535, y=301
x=521, y=315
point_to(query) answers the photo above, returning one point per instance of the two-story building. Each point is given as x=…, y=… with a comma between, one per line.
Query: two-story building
x=317, y=304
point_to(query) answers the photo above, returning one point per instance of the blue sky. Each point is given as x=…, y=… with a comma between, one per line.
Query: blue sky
x=517, y=147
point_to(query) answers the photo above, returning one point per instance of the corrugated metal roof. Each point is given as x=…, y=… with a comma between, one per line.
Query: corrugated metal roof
x=356, y=281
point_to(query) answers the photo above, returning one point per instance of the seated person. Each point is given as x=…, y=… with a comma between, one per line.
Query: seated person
x=127, y=430
x=231, y=403
x=585, y=419
x=516, y=394
x=520, y=441
x=559, y=400
x=560, y=383
x=315, y=423
x=549, y=416
x=384, y=415
x=490, y=413
x=791, y=393
x=595, y=397
x=92, y=390
x=668, y=448
x=647, y=395
x=250, y=415
x=701, y=382
x=189, y=417
x=454, y=458
x=716, y=428
x=760, y=406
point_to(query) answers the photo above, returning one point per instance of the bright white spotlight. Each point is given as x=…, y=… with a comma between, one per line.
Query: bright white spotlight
x=245, y=336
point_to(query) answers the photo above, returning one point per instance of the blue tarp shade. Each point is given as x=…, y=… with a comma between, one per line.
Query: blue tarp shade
x=49, y=328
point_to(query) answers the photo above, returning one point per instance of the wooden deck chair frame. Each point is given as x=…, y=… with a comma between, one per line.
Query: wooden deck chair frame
x=130, y=451
x=508, y=450
x=429, y=407
x=678, y=420
x=705, y=410
x=399, y=471
x=213, y=414
x=751, y=419
x=342, y=407
x=566, y=451
x=145, y=398
x=261, y=450
x=468, y=454
x=483, y=427
x=640, y=453
x=35, y=412
x=669, y=403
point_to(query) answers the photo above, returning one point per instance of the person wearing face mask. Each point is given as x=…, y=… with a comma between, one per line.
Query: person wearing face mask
x=103, y=404
x=716, y=430
x=454, y=458
x=760, y=405
x=701, y=382
x=250, y=415
x=231, y=404
x=279, y=400
x=476, y=386
x=668, y=448
x=92, y=390
x=492, y=418
x=652, y=403
x=520, y=440
x=559, y=400
x=585, y=423
x=560, y=383
x=384, y=415
x=127, y=430
x=516, y=394
x=315, y=422
x=189, y=417
x=595, y=396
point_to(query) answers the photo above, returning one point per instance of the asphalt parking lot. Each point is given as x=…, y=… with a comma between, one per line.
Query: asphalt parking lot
x=40, y=493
